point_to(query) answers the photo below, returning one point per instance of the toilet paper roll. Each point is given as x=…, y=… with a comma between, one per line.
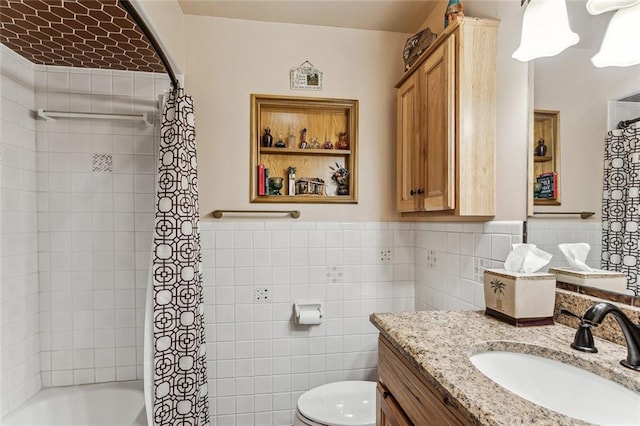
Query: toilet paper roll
x=309, y=317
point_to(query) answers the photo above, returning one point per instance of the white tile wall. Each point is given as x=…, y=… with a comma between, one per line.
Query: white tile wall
x=19, y=344
x=260, y=362
x=548, y=233
x=450, y=260
x=95, y=210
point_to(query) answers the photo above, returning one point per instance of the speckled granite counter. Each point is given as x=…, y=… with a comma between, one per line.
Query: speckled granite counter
x=439, y=344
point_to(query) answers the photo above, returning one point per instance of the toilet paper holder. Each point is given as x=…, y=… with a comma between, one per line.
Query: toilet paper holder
x=306, y=310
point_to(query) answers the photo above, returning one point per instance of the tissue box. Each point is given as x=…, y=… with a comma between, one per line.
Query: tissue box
x=521, y=299
x=598, y=278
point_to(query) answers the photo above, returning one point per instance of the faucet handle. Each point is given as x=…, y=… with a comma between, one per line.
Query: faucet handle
x=583, y=340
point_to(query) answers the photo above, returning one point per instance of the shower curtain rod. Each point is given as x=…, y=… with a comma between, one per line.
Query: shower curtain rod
x=626, y=123
x=50, y=115
x=126, y=4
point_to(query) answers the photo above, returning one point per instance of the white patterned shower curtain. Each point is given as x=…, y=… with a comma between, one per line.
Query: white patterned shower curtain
x=621, y=204
x=179, y=369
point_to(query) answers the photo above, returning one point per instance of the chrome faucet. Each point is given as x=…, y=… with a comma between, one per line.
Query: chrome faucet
x=596, y=314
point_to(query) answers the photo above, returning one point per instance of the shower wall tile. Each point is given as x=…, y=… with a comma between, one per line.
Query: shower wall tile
x=19, y=299
x=95, y=210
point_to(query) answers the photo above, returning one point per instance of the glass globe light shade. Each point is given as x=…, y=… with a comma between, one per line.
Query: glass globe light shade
x=621, y=43
x=596, y=7
x=545, y=30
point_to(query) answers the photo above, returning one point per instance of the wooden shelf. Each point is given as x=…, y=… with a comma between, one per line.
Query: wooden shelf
x=539, y=159
x=304, y=151
x=317, y=118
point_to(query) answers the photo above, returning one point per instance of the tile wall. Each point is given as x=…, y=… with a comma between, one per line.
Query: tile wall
x=19, y=345
x=96, y=183
x=450, y=260
x=260, y=362
x=548, y=233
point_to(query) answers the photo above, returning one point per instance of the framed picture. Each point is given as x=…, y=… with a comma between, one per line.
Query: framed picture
x=306, y=77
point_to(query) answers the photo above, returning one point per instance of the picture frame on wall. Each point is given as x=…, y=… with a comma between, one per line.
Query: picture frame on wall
x=306, y=77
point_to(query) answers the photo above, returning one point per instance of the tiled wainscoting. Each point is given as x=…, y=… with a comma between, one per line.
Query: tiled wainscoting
x=260, y=362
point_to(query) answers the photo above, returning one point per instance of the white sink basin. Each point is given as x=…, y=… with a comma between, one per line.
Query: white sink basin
x=561, y=387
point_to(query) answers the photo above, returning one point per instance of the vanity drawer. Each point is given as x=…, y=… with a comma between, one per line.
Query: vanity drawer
x=420, y=401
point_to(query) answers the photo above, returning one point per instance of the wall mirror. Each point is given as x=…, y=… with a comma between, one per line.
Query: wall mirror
x=546, y=157
x=590, y=102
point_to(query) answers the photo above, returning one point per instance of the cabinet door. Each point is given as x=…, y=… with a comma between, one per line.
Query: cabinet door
x=437, y=128
x=407, y=141
x=389, y=412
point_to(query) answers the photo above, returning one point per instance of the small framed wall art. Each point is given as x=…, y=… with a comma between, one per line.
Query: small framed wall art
x=306, y=77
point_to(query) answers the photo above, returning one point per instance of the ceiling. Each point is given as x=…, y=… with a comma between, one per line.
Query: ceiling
x=403, y=16
x=76, y=33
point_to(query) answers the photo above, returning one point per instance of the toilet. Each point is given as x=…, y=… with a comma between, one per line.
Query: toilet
x=349, y=403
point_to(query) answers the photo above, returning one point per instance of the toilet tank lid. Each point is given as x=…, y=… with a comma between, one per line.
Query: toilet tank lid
x=349, y=403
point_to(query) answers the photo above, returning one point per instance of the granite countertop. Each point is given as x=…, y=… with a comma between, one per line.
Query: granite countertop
x=439, y=344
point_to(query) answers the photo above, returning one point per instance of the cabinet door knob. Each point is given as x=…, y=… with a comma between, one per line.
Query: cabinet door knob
x=385, y=394
x=412, y=192
x=420, y=191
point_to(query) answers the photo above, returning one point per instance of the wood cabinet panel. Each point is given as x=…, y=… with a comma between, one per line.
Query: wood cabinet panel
x=407, y=140
x=389, y=412
x=455, y=120
x=417, y=398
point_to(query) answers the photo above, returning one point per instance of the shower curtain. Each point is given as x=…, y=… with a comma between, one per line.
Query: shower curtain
x=621, y=204
x=179, y=367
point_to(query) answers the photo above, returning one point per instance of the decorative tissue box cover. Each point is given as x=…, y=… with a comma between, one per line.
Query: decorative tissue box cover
x=598, y=278
x=520, y=299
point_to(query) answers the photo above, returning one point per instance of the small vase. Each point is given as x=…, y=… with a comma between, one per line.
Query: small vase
x=342, y=143
x=541, y=149
x=342, y=190
x=267, y=139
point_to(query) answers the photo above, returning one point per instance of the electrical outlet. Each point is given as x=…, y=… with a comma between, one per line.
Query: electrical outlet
x=385, y=256
x=261, y=294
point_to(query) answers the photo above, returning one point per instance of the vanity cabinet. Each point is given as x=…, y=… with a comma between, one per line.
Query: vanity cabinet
x=446, y=126
x=406, y=397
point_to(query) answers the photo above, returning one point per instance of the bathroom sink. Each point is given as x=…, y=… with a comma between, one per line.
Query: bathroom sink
x=561, y=387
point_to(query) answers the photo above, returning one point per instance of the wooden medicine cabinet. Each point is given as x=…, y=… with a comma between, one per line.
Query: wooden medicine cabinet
x=311, y=153
x=546, y=157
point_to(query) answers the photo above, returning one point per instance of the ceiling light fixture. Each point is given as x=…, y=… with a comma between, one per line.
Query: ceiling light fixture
x=620, y=45
x=545, y=30
x=596, y=7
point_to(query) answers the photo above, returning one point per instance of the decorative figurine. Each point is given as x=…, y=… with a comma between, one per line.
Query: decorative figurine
x=314, y=143
x=280, y=143
x=342, y=143
x=291, y=142
x=303, y=142
x=339, y=176
x=327, y=144
x=291, y=172
x=267, y=139
x=541, y=149
x=453, y=12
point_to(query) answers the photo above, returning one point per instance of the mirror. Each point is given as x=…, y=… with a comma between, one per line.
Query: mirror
x=588, y=101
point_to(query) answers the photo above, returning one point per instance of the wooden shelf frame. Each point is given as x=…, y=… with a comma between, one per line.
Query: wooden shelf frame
x=323, y=118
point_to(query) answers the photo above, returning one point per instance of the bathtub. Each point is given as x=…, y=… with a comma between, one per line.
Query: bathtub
x=114, y=403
